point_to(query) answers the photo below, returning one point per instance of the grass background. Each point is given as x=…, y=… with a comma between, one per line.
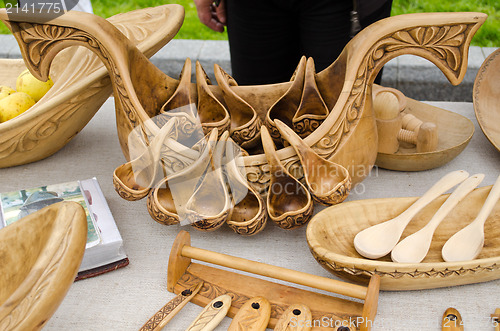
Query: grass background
x=487, y=36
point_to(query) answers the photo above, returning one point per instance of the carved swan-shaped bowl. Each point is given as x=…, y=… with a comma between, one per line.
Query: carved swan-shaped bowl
x=342, y=131
x=78, y=93
x=41, y=254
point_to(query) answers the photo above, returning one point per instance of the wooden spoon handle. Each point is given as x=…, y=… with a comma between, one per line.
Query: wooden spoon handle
x=212, y=314
x=452, y=320
x=440, y=187
x=254, y=315
x=490, y=202
x=167, y=312
x=460, y=192
x=296, y=317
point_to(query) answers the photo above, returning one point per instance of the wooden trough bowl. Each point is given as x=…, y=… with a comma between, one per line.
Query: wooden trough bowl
x=81, y=85
x=486, y=97
x=41, y=254
x=330, y=235
x=454, y=133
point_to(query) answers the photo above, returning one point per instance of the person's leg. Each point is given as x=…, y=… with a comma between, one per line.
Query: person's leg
x=324, y=29
x=262, y=41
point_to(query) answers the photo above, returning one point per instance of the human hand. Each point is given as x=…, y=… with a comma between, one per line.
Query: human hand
x=212, y=16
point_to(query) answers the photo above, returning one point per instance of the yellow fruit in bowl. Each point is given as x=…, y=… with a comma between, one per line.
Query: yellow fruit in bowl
x=5, y=91
x=27, y=83
x=15, y=104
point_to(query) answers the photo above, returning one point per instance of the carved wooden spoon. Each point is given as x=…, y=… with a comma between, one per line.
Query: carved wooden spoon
x=328, y=182
x=467, y=243
x=378, y=240
x=289, y=203
x=414, y=248
x=296, y=317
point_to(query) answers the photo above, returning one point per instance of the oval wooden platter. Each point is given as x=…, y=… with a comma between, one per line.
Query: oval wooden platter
x=486, y=97
x=40, y=255
x=454, y=132
x=331, y=232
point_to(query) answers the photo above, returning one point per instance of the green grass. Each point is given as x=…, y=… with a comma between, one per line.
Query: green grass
x=487, y=36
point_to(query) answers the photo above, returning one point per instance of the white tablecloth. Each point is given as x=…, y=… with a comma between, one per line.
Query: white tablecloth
x=124, y=299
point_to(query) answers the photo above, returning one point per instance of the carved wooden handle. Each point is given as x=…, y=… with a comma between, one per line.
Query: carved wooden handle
x=296, y=317
x=254, y=315
x=452, y=320
x=167, y=312
x=212, y=314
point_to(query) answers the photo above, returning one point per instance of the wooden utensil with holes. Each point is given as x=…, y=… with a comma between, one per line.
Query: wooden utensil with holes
x=452, y=320
x=212, y=314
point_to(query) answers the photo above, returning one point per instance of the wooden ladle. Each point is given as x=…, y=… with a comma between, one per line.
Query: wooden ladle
x=286, y=106
x=134, y=179
x=208, y=208
x=414, y=248
x=467, y=243
x=328, y=182
x=248, y=215
x=289, y=203
x=180, y=186
x=378, y=240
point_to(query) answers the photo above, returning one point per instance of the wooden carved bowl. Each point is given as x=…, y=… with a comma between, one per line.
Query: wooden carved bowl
x=486, y=97
x=81, y=85
x=454, y=133
x=41, y=254
x=346, y=136
x=330, y=235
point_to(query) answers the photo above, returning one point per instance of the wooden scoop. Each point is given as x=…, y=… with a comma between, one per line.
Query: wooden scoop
x=378, y=240
x=212, y=113
x=179, y=186
x=212, y=314
x=208, y=208
x=182, y=105
x=328, y=182
x=245, y=122
x=295, y=318
x=254, y=315
x=286, y=106
x=312, y=110
x=414, y=248
x=467, y=243
x=134, y=179
x=289, y=203
x=248, y=215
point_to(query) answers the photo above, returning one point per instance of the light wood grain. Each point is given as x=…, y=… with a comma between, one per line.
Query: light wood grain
x=331, y=232
x=41, y=254
x=452, y=320
x=485, y=96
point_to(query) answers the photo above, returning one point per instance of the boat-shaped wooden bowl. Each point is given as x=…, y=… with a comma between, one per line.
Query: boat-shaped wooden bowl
x=81, y=85
x=486, y=97
x=330, y=235
x=346, y=136
x=40, y=254
x=454, y=133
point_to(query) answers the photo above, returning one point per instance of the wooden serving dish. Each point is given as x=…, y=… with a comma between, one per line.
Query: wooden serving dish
x=78, y=92
x=40, y=254
x=486, y=97
x=331, y=232
x=454, y=132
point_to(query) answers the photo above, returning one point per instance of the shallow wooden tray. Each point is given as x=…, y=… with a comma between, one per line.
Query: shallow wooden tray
x=486, y=97
x=455, y=131
x=331, y=232
x=40, y=256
